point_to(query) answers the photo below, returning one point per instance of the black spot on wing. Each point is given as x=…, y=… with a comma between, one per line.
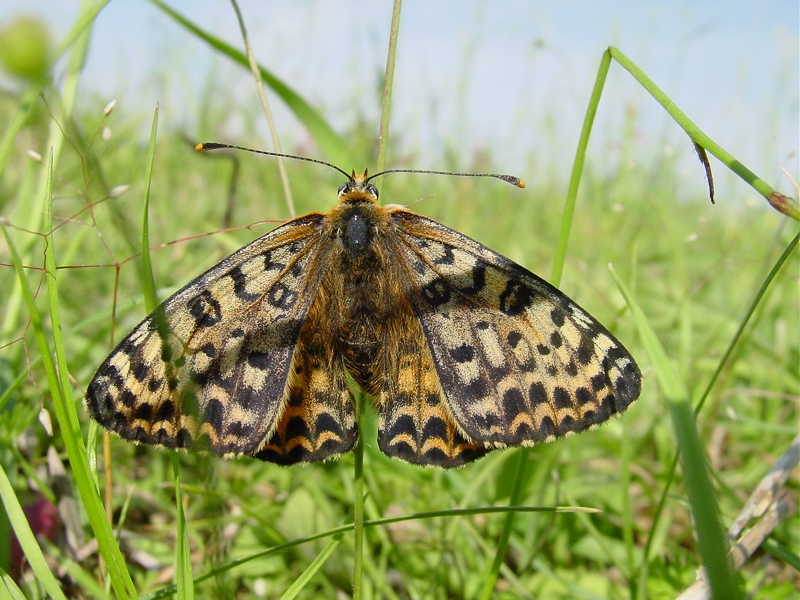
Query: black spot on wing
x=436, y=293
x=513, y=404
x=515, y=298
x=280, y=296
x=561, y=398
x=472, y=283
x=239, y=285
x=463, y=353
x=214, y=414
x=205, y=310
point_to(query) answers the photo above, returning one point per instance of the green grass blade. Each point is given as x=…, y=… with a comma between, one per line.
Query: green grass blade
x=331, y=144
x=358, y=491
x=8, y=588
x=27, y=540
x=66, y=416
x=358, y=500
x=183, y=561
x=312, y=569
x=273, y=131
x=723, y=364
x=577, y=170
x=449, y=513
x=702, y=496
x=89, y=585
x=148, y=280
x=757, y=300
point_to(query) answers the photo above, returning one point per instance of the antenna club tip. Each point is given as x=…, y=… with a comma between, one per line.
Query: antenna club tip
x=520, y=184
x=200, y=147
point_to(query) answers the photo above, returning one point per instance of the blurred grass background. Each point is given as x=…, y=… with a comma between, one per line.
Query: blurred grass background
x=694, y=269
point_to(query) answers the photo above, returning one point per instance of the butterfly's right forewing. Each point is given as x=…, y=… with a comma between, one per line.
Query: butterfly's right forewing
x=208, y=370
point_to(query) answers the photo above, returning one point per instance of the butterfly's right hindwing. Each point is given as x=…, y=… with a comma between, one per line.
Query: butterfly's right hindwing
x=208, y=369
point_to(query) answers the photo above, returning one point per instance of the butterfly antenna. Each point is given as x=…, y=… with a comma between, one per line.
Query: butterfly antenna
x=217, y=146
x=515, y=181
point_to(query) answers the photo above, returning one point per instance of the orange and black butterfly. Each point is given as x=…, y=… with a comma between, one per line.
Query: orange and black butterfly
x=462, y=350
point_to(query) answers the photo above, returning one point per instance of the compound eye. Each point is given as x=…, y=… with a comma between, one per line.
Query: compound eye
x=343, y=188
x=371, y=189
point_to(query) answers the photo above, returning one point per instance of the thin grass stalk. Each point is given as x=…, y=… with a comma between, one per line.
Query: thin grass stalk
x=434, y=514
x=700, y=138
x=358, y=500
x=358, y=509
x=332, y=145
x=388, y=84
x=27, y=539
x=273, y=132
x=312, y=569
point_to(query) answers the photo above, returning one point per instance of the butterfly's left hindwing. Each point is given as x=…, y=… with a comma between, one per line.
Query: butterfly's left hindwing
x=518, y=362
x=208, y=369
x=319, y=421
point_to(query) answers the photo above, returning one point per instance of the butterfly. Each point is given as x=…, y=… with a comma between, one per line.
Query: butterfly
x=462, y=350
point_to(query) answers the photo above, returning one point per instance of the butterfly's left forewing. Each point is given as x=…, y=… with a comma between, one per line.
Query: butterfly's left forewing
x=518, y=361
x=208, y=369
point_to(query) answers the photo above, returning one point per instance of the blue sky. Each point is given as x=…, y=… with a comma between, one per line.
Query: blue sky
x=510, y=78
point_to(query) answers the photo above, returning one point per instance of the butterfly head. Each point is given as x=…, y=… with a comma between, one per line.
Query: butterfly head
x=358, y=189
x=358, y=218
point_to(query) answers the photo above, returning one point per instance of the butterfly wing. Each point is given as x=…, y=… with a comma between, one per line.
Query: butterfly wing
x=415, y=423
x=319, y=421
x=518, y=362
x=211, y=368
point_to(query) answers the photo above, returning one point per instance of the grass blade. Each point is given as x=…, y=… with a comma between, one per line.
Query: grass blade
x=567, y=217
x=449, y=513
x=183, y=559
x=388, y=83
x=702, y=496
x=148, y=281
x=27, y=541
x=312, y=569
x=273, y=132
x=9, y=588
